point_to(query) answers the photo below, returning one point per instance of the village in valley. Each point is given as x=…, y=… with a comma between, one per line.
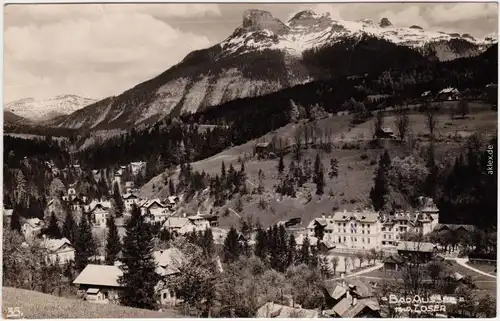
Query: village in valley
x=364, y=190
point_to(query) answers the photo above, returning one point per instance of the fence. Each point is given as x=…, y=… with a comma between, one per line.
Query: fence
x=482, y=261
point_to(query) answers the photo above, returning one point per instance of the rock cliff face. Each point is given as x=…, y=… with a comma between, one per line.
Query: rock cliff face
x=255, y=20
x=261, y=56
x=384, y=23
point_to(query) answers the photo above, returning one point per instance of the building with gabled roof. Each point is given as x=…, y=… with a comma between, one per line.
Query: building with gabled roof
x=100, y=214
x=32, y=227
x=58, y=250
x=129, y=200
x=100, y=282
x=350, y=298
x=416, y=251
x=169, y=263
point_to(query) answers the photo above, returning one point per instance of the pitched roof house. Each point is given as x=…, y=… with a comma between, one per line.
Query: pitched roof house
x=350, y=298
x=32, y=227
x=58, y=250
x=99, y=282
x=169, y=263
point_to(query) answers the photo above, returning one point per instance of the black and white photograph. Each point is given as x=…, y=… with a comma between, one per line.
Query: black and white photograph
x=250, y=160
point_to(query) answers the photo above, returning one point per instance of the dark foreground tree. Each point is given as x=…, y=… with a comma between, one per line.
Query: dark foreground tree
x=113, y=244
x=85, y=247
x=15, y=222
x=53, y=230
x=232, y=247
x=380, y=188
x=70, y=228
x=139, y=276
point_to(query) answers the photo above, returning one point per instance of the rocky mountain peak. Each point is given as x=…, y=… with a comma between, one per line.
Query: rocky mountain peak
x=310, y=19
x=255, y=20
x=384, y=23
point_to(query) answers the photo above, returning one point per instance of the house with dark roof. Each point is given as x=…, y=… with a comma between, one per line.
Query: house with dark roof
x=100, y=213
x=416, y=251
x=350, y=298
x=393, y=262
x=130, y=199
x=263, y=149
x=32, y=227
x=385, y=132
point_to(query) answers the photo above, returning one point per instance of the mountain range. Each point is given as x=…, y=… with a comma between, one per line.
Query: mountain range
x=265, y=55
x=43, y=110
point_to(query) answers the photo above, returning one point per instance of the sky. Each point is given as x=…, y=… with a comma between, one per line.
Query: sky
x=101, y=50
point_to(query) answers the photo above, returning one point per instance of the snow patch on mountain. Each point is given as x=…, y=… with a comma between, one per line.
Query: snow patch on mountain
x=40, y=110
x=308, y=30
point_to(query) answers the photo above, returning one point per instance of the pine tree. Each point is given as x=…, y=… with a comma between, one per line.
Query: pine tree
x=320, y=182
x=85, y=247
x=292, y=245
x=334, y=168
x=15, y=221
x=208, y=243
x=232, y=247
x=52, y=229
x=305, y=255
x=317, y=168
x=69, y=229
x=113, y=243
x=260, y=249
x=139, y=276
x=223, y=172
x=117, y=197
x=380, y=188
x=171, y=187
x=281, y=165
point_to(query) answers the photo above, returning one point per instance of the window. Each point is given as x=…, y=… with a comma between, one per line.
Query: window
x=383, y=242
x=363, y=232
x=363, y=225
x=383, y=228
x=172, y=293
x=385, y=236
x=340, y=239
x=363, y=240
x=345, y=239
x=164, y=295
x=368, y=240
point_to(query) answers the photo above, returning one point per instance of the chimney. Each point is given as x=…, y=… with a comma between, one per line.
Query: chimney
x=354, y=301
x=323, y=215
